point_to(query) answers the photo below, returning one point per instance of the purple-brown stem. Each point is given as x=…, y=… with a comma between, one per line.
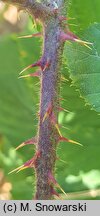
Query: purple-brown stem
x=50, y=63
x=50, y=89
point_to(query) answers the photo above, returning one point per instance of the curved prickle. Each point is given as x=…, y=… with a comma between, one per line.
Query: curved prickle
x=64, y=139
x=52, y=180
x=28, y=164
x=36, y=64
x=31, y=141
x=72, y=37
x=39, y=34
x=35, y=74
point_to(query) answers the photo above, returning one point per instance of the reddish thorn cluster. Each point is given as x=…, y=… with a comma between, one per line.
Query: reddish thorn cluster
x=40, y=64
x=28, y=164
x=67, y=36
x=72, y=37
x=52, y=180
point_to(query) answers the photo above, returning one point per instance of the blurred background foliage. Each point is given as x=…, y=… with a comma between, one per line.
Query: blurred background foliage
x=78, y=171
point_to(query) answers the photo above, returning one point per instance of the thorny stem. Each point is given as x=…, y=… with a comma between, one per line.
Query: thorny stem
x=47, y=133
x=50, y=89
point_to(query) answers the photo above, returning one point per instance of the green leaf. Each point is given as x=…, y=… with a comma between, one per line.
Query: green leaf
x=85, y=13
x=84, y=66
